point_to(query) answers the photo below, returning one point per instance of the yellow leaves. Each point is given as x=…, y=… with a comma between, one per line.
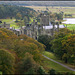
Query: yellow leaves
x=20, y=46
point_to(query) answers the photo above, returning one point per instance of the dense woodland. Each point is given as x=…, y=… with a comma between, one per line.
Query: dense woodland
x=22, y=54
x=9, y=11
x=19, y=54
x=62, y=44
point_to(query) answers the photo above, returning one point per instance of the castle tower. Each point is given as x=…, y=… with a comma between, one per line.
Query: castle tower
x=44, y=20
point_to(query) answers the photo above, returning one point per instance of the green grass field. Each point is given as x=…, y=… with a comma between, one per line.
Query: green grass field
x=0, y=73
x=70, y=26
x=52, y=56
x=7, y=20
x=11, y=22
x=47, y=64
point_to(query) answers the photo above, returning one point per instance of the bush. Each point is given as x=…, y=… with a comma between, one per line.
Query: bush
x=41, y=70
x=0, y=21
x=52, y=72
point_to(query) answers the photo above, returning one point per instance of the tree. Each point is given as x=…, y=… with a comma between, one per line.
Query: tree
x=0, y=21
x=18, y=16
x=31, y=71
x=3, y=35
x=45, y=39
x=20, y=23
x=25, y=20
x=27, y=63
x=57, y=42
x=68, y=45
x=7, y=62
x=52, y=72
x=41, y=71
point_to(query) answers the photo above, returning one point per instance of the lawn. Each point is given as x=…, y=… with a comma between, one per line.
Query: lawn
x=0, y=73
x=47, y=64
x=11, y=22
x=70, y=26
x=52, y=56
x=6, y=20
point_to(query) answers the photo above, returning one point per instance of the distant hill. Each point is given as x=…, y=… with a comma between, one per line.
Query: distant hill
x=40, y=3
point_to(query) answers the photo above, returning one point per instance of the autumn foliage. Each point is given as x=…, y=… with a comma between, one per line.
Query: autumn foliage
x=23, y=49
x=63, y=45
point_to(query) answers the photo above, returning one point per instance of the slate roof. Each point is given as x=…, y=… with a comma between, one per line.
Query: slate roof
x=51, y=26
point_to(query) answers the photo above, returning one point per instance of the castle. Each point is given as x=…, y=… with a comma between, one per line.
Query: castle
x=34, y=29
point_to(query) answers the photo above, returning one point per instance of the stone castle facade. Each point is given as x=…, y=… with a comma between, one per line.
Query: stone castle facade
x=34, y=29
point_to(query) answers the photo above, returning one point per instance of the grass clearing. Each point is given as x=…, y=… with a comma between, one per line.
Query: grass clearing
x=6, y=20
x=70, y=26
x=11, y=22
x=47, y=64
x=52, y=56
x=0, y=73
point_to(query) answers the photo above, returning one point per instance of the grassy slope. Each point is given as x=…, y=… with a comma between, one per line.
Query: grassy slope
x=47, y=64
x=56, y=66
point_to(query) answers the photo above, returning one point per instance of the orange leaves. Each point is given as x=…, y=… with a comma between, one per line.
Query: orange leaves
x=3, y=35
x=24, y=37
x=20, y=47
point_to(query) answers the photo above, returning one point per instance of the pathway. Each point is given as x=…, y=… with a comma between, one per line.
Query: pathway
x=59, y=63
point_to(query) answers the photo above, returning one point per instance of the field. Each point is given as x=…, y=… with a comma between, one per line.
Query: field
x=0, y=73
x=52, y=56
x=47, y=64
x=66, y=10
x=11, y=22
x=70, y=26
